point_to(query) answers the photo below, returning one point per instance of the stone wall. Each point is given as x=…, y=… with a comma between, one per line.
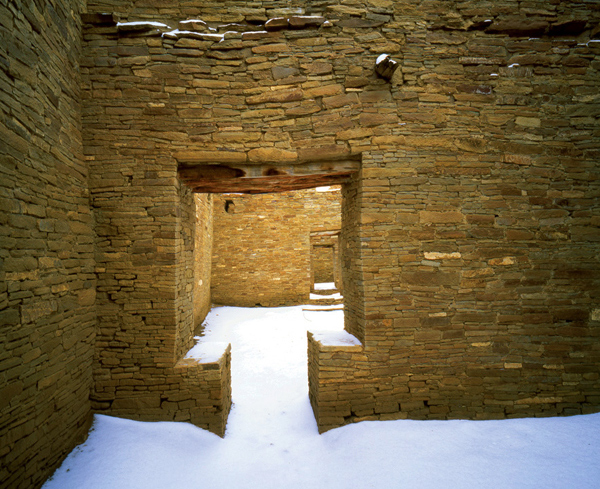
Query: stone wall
x=469, y=236
x=153, y=280
x=47, y=281
x=262, y=247
x=470, y=233
x=322, y=260
x=478, y=232
x=202, y=257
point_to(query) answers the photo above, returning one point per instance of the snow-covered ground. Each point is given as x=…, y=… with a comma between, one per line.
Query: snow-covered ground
x=272, y=439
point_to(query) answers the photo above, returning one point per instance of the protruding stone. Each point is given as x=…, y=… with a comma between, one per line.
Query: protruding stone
x=385, y=66
x=193, y=25
x=141, y=27
x=519, y=27
x=304, y=21
x=277, y=24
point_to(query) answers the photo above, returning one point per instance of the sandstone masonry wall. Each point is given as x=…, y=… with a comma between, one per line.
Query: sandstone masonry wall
x=202, y=257
x=323, y=258
x=262, y=252
x=470, y=235
x=153, y=281
x=47, y=281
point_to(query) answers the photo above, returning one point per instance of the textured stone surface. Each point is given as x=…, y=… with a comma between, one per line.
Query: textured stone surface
x=474, y=210
x=469, y=238
x=47, y=281
x=263, y=251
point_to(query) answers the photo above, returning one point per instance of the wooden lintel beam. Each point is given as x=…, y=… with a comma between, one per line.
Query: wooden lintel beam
x=269, y=184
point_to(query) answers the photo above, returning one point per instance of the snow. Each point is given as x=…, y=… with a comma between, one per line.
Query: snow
x=207, y=351
x=335, y=338
x=325, y=286
x=381, y=57
x=193, y=21
x=272, y=439
x=197, y=35
x=337, y=295
x=317, y=307
x=142, y=23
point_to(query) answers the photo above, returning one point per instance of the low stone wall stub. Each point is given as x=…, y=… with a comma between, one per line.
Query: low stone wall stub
x=190, y=391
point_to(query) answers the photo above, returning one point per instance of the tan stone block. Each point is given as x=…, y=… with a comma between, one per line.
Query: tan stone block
x=377, y=119
x=279, y=96
x=432, y=142
x=86, y=297
x=210, y=156
x=389, y=140
x=354, y=133
x=505, y=261
x=324, y=91
x=528, y=121
x=340, y=100
x=196, y=113
x=430, y=217
x=235, y=136
x=271, y=48
x=474, y=145
x=334, y=151
x=377, y=217
x=33, y=311
x=318, y=68
x=435, y=255
x=478, y=272
x=209, y=83
x=271, y=155
x=305, y=109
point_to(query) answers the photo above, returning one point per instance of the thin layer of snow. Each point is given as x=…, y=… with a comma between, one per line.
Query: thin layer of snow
x=337, y=295
x=193, y=21
x=317, y=307
x=272, y=439
x=325, y=286
x=207, y=351
x=381, y=57
x=202, y=36
x=142, y=22
x=335, y=338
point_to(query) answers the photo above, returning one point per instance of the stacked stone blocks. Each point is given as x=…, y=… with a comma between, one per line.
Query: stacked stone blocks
x=262, y=245
x=469, y=236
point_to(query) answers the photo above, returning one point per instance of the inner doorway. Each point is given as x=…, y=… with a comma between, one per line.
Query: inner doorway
x=262, y=248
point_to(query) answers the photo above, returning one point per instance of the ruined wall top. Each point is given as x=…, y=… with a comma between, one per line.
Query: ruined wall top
x=500, y=16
